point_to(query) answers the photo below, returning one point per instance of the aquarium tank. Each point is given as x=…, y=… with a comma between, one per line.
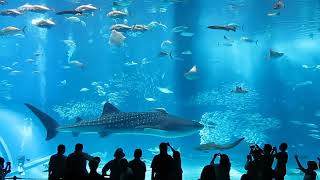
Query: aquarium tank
x=208, y=76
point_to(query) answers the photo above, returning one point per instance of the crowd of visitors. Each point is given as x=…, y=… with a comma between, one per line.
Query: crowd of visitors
x=259, y=165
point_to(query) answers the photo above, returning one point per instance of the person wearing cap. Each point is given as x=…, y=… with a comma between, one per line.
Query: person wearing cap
x=93, y=165
x=114, y=165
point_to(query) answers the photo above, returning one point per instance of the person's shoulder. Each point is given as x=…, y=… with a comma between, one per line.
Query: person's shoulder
x=63, y=157
x=71, y=154
x=209, y=166
x=156, y=157
x=53, y=156
x=141, y=163
x=111, y=161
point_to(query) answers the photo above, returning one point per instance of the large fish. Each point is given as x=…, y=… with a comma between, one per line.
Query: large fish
x=112, y=121
x=68, y=12
x=192, y=74
x=226, y=28
x=220, y=147
x=274, y=54
x=11, y=12
x=11, y=30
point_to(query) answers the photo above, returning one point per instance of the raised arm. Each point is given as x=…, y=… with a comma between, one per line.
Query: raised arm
x=275, y=152
x=173, y=150
x=214, y=158
x=299, y=164
x=7, y=170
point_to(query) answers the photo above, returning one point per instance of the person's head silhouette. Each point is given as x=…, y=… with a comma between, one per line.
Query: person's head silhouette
x=163, y=147
x=94, y=164
x=256, y=154
x=137, y=153
x=267, y=148
x=176, y=155
x=78, y=147
x=119, y=154
x=224, y=160
x=283, y=147
x=312, y=165
x=61, y=149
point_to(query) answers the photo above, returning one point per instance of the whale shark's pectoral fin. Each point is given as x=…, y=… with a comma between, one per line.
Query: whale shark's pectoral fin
x=104, y=134
x=109, y=108
x=75, y=134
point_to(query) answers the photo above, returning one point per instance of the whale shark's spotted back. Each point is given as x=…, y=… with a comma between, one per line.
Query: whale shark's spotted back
x=113, y=121
x=124, y=120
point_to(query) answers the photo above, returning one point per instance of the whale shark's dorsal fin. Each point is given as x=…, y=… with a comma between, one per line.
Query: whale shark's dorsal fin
x=109, y=108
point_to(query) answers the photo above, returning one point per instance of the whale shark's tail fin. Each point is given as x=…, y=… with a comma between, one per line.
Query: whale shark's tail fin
x=49, y=123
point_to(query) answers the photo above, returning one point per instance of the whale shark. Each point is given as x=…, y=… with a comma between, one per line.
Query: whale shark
x=113, y=121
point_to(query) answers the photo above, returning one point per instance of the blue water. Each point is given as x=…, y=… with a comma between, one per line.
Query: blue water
x=283, y=103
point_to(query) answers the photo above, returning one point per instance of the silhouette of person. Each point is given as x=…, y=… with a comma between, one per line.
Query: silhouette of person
x=114, y=165
x=310, y=172
x=208, y=173
x=161, y=164
x=4, y=170
x=93, y=165
x=268, y=158
x=57, y=164
x=254, y=165
x=76, y=164
x=280, y=170
x=176, y=173
x=137, y=166
x=223, y=168
x=125, y=171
